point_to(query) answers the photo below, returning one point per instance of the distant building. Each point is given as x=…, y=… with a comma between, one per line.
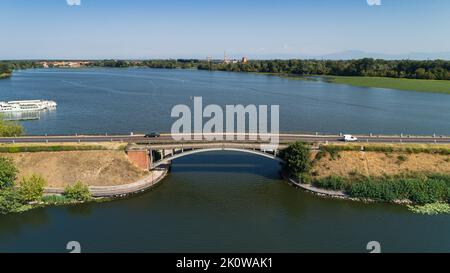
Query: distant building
x=73, y=64
x=225, y=58
x=244, y=60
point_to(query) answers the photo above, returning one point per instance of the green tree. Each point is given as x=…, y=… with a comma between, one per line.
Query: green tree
x=32, y=188
x=4, y=68
x=8, y=172
x=10, y=128
x=78, y=191
x=297, y=158
x=10, y=201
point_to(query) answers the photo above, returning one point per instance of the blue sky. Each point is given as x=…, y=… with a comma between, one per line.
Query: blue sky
x=181, y=28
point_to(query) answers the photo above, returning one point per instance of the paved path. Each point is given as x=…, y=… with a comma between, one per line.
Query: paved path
x=311, y=188
x=111, y=191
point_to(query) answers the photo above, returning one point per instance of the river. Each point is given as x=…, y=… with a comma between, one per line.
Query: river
x=221, y=201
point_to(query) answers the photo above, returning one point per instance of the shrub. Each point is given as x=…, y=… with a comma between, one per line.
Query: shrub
x=58, y=148
x=32, y=188
x=297, y=158
x=8, y=172
x=9, y=128
x=370, y=189
x=10, y=201
x=320, y=154
x=78, y=191
x=384, y=149
x=401, y=159
x=335, y=183
x=304, y=178
x=429, y=191
x=55, y=199
x=419, y=190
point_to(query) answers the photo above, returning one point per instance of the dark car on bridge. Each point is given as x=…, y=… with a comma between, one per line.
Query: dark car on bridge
x=152, y=135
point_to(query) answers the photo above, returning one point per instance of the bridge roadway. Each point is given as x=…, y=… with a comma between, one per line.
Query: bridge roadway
x=167, y=138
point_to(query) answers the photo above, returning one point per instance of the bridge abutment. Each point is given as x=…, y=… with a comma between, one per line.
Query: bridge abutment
x=140, y=158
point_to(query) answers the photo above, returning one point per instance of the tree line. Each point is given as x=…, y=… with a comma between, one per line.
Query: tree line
x=412, y=69
x=429, y=69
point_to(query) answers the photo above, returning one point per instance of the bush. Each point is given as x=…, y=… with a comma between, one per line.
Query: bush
x=419, y=190
x=10, y=128
x=429, y=191
x=401, y=159
x=335, y=183
x=78, y=191
x=375, y=190
x=297, y=158
x=10, y=201
x=55, y=199
x=58, y=148
x=304, y=178
x=8, y=172
x=32, y=188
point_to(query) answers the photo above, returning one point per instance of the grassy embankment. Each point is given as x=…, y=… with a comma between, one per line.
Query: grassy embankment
x=413, y=174
x=26, y=169
x=432, y=86
x=61, y=164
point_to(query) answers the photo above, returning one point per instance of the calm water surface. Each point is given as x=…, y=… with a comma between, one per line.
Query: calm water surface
x=224, y=202
x=123, y=100
x=221, y=201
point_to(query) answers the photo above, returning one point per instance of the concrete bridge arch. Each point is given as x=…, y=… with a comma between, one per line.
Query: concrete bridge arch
x=152, y=156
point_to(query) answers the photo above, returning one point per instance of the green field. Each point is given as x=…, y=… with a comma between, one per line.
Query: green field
x=435, y=86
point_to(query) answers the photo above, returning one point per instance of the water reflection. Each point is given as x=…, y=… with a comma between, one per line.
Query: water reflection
x=13, y=225
x=21, y=116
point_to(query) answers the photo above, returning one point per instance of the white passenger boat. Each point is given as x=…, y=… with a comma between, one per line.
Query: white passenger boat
x=26, y=105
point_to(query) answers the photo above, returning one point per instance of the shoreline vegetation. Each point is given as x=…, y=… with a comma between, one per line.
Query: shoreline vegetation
x=10, y=128
x=423, y=192
x=26, y=176
x=30, y=193
x=419, y=85
x=423, y=76
x=423, y=187
x=33, y=179
x=5, y=75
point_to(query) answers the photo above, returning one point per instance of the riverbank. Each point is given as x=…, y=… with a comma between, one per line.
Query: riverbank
x=404, y=84
x=35, y=176
x=331, y=189
x=379, y=160
x=92, y=167
x=152, y=179
x=12, y=200
x=416, y=175
x=430, y=86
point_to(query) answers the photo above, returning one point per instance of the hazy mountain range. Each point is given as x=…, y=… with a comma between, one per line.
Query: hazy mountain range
x=357, y=54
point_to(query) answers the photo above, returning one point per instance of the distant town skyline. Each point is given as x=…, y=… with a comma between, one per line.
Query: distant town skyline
x=101, y=29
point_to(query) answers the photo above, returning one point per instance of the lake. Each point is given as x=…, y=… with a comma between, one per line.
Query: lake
x=221, y=201
x=108, y=100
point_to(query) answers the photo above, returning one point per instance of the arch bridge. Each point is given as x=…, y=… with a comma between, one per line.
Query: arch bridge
x=150, y=156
